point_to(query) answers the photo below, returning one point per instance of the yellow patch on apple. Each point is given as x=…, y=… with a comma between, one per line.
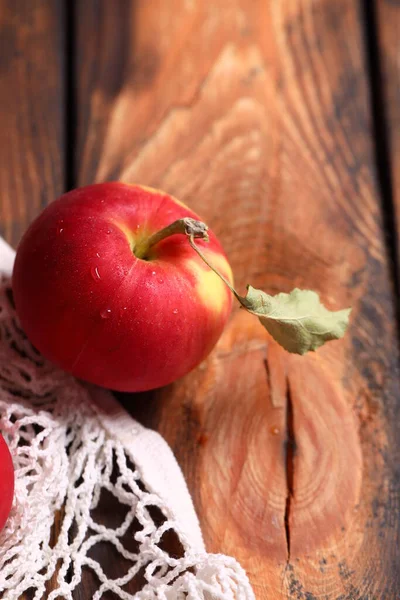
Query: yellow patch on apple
x=209, y=287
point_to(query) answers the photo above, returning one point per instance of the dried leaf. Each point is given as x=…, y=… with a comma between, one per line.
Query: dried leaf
x=297, y=321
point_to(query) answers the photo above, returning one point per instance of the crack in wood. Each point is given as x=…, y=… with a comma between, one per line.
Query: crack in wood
x=289, y=447
x=290, y=450
x=267, y=371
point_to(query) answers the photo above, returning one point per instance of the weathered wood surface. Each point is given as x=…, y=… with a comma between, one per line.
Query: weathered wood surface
x=257, y=115
x=31, y=111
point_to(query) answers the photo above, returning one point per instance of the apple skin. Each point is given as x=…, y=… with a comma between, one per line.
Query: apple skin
x=6, y=482
x=89, y=305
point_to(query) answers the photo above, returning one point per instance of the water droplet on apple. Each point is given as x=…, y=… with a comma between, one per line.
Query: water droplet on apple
x=175, y=311
x=160, y=280
x=108, y=231
x=98, y=255
x=274, y=430
x=94, y=271
x=60, y=227
x=153, y=273
x=106, y=313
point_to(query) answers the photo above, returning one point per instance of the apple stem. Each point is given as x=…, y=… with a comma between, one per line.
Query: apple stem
x=192, y=229
x=186, y=226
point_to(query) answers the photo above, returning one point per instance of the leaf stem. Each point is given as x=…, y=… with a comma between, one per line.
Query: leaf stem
x=199, y=252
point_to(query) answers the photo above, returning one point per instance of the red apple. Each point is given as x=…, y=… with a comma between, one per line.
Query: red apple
x=6, y=482
x=92, y=307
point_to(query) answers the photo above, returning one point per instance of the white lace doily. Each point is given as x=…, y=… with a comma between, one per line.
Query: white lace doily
x=76, y=451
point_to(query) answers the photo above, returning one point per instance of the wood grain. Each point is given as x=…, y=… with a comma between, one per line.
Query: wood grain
x=388, y=37
x=256, y=114
x=31, y=111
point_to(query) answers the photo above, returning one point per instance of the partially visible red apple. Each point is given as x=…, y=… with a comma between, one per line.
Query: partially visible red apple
x=92, y=307
x=6, y=482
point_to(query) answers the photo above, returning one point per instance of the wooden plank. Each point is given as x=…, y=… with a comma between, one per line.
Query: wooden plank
x=256, y=115
x=31, y=111
x=388, y=36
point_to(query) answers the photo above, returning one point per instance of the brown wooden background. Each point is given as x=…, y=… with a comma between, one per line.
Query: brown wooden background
x=279, y=122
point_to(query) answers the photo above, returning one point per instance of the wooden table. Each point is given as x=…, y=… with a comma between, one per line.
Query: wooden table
x=279, y=122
